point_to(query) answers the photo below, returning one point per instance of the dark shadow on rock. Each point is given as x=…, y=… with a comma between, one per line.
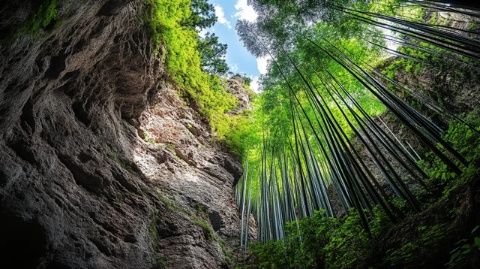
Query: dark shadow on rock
x=23, y=242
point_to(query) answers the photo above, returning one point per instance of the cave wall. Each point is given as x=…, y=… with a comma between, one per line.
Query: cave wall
x=102, y=165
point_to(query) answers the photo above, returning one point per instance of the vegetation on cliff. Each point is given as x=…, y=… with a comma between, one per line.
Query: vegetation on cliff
x=175, y=26
x=43, y=16
x=46, y=15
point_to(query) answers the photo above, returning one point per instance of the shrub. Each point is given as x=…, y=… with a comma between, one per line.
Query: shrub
x=320, y=241
x=467, y=142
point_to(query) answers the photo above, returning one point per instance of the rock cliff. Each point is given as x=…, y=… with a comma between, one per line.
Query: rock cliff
x=102, y=165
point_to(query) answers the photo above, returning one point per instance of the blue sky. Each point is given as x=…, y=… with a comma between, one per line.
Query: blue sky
x=238, y=58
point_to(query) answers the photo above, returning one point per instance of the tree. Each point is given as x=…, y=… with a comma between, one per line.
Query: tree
x=203, y=15
x=213, y=54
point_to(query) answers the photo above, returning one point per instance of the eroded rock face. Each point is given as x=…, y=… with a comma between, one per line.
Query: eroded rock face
x=237, y=88
x=101, y=164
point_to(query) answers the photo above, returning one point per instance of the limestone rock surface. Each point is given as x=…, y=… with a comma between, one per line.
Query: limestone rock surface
x=102, y=165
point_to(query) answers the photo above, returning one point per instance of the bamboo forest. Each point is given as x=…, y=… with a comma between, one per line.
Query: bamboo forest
x=355, y=155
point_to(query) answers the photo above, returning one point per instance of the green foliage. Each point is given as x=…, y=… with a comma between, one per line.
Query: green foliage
x=206, y=227
x=245, y=134
x=274, y=108
x=320, y=241
x=227, y=252
x=246, y=80
x=463, y=138
x=198, y=218
x=213, y=54
x=170, y=29
x=271, y=254
x=203, y=14
x=285, y=96
x=159, y=260
x=348, y=243
x=467, y=143
x=152, y=228
x=44, y=17
x=466, y=252
x=412, y=64
x=406, y=65
x=304, y=57
x=147, y=137
x=429, y=237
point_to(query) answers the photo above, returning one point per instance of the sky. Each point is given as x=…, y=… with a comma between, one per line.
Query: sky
x=238, y=58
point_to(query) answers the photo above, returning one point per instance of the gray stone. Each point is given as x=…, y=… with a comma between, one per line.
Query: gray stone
x=97, y=166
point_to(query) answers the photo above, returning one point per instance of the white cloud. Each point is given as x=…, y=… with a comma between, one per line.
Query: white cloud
x=245, y=12
x=255, y=84
x=262, y=64
x=203, y=33
x=221, y=16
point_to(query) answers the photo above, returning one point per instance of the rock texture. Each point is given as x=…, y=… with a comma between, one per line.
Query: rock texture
x=102, y=165
x=237, y=88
